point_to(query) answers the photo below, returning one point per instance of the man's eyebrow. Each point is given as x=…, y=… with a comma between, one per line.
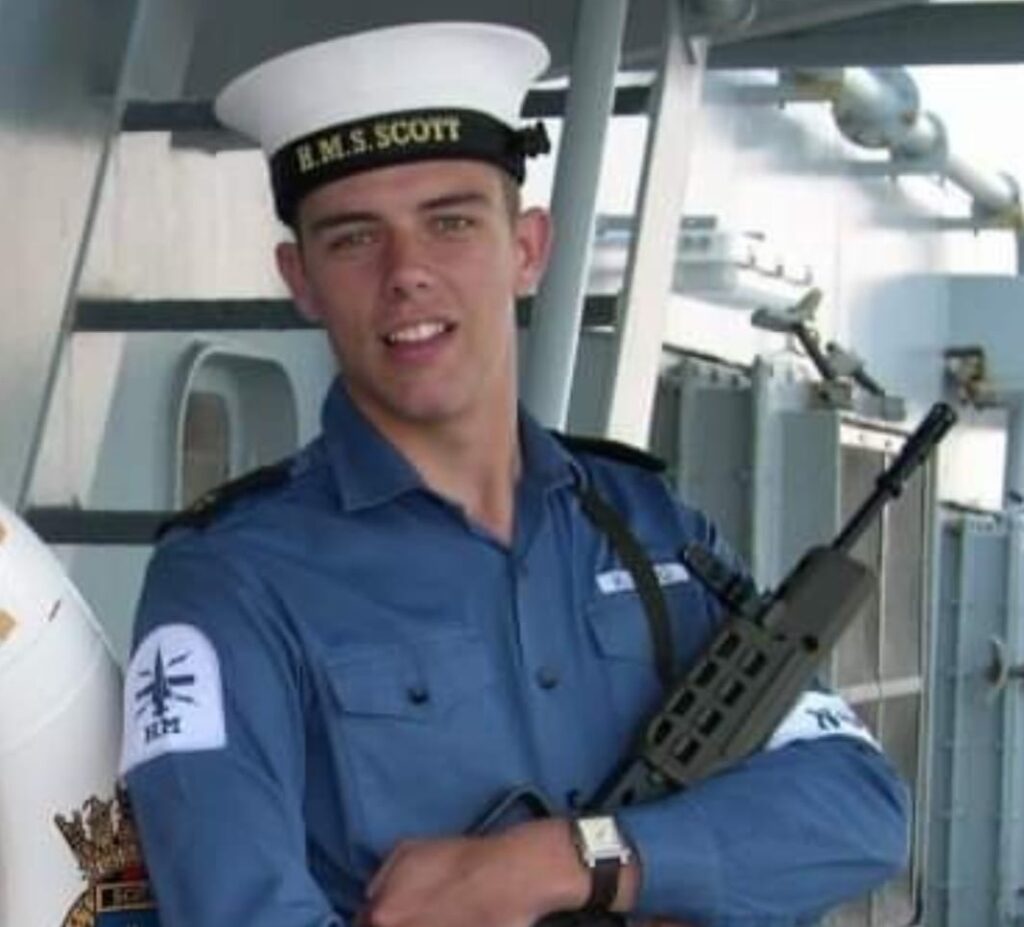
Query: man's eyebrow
x=468, y=198
x=335, y=219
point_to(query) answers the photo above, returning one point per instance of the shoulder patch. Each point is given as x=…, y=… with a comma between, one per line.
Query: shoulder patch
x=613, y=450
x=213, y=503
x=816, y=715
x=173, y=697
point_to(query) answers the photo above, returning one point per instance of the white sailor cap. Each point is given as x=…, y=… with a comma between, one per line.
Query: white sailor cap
x=389, y=96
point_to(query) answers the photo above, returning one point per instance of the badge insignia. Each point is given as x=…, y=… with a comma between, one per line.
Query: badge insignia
x=174, y=701
x=103, y=838
x=820, y=714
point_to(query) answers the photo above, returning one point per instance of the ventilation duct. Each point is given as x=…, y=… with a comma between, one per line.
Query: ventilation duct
x=881, y=109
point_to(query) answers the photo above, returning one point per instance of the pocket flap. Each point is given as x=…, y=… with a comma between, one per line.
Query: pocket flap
x=620, y=626
x=419, y=682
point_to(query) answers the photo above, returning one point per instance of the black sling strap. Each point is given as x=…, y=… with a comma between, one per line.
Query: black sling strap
x=636, y=561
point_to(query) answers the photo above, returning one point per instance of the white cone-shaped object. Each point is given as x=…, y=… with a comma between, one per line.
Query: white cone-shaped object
x=60, y=718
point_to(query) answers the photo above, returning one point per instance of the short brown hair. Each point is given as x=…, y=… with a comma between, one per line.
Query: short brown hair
x=513, y=196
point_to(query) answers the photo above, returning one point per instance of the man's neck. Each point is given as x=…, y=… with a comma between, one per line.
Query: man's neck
x=475, y=464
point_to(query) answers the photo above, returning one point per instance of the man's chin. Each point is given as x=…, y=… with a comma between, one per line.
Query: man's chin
x=421, y=410
x=431, y=412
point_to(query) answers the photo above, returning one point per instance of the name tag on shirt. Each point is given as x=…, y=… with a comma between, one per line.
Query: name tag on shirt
x=613, y=581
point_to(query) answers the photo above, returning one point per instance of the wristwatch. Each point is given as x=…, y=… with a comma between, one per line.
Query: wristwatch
x=604, y=851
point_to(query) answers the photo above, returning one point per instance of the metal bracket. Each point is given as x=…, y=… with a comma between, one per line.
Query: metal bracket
x=1000, y=672
x=966, y=373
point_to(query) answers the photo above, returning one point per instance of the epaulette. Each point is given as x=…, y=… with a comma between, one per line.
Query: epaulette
x=212, y=503
x=614, y=450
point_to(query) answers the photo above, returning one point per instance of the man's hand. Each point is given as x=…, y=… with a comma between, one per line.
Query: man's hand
x=510, y=879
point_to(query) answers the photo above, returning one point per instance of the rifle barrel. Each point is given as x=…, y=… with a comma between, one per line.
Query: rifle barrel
x=889, y=484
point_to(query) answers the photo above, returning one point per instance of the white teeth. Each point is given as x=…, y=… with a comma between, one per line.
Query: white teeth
x=422, y=331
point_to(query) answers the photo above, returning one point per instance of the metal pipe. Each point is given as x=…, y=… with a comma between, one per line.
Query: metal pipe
x=875, y=108
x=996, y=193
x=558, y=311
x=926, y=138
x=880, y=108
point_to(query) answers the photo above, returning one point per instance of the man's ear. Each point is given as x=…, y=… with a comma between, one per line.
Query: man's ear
x=533, y=235
x=293, y=272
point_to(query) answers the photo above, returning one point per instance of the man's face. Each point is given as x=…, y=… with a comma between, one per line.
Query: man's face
x=413, y=270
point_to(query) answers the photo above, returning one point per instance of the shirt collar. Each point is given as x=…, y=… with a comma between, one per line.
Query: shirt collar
x=545, y=459
x=370, y=471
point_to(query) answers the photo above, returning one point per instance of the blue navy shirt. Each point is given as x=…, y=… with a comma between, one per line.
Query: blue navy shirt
x=345, y=660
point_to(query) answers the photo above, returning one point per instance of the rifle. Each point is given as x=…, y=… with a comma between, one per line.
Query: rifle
x=767, y=650
x=764, y=655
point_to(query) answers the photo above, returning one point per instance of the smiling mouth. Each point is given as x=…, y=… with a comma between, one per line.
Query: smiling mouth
x=419, y=333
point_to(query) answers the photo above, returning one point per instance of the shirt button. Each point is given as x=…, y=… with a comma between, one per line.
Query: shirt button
x=418, y=695
x=547, y=678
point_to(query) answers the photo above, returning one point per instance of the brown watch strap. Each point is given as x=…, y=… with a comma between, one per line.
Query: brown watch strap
x=604, y=885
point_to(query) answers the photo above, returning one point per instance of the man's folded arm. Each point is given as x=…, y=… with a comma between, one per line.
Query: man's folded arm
x=776, y=840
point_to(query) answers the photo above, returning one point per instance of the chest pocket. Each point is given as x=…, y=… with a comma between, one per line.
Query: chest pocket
x=623, y=642
x=622, y=638
x=422, y=735
x=417, y=685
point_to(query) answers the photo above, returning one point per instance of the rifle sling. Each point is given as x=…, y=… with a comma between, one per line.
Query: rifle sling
x=636, y=561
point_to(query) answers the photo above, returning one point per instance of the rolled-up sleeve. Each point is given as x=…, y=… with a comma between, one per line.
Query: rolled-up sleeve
x=776, y=840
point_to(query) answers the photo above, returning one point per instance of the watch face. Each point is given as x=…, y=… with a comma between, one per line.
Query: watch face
x=601, y=839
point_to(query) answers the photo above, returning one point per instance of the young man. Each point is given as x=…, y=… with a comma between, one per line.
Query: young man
x=356, y=655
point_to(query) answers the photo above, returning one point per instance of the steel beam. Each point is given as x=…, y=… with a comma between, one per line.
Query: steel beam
x=670, y=142
x=172, y=315
x=196, y=117
x=96, y=527
x=554, y=336
x=199, y=315
x=161, y=49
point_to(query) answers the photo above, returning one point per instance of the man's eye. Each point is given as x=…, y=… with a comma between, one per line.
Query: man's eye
x=451, y=224
x=350, y=239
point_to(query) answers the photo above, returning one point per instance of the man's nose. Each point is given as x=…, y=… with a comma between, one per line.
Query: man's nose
x=408, y=266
